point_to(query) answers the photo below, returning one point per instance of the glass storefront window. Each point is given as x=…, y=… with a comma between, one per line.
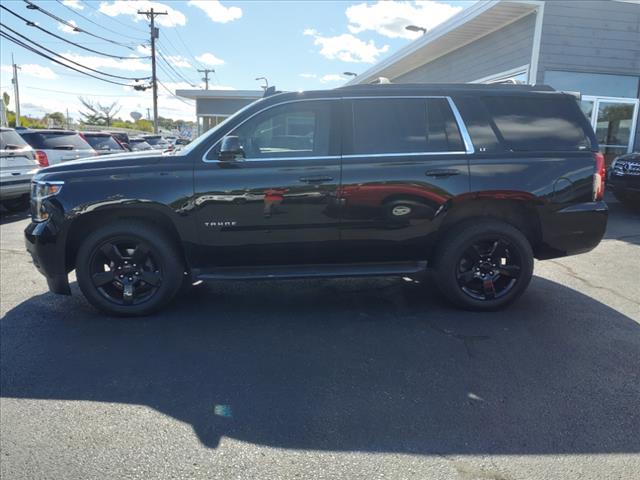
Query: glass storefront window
x=613, y=125
x=597, y=84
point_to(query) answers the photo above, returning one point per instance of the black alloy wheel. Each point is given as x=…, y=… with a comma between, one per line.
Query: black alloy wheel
x=483, y=264
x=488, y=269
x=129, y=268
x=125, y=271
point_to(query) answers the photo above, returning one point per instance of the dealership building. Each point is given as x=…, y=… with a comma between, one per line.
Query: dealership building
x=590, y=47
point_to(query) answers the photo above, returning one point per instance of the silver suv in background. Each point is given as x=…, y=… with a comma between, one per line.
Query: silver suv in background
x=56, y=146
x=17, y=165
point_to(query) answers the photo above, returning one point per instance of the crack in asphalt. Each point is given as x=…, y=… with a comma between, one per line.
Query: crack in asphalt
x=572, y=273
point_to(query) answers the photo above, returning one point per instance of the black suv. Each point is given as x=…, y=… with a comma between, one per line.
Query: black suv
x=473, y=181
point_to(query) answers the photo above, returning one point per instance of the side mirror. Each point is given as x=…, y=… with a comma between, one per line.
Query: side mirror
x=231, y=149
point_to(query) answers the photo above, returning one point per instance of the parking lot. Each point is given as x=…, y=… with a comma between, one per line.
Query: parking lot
x=357, y=379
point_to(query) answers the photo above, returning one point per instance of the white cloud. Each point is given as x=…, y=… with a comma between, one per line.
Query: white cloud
x=332, y=77
x=308, y=75
x=66, y=28
x=346, y=47
x=123, y=7
x=391, y=18
x=75, y=4
x=96, y=62
x=216, y=11
x=209, y=59
x=32, y=70
x=178, y=61
x=144, y=49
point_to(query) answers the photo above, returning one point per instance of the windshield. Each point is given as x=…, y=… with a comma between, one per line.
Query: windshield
x=139, y=145
x=103, y=142
x=196, y=142
x=156, y=141
x=10, y=140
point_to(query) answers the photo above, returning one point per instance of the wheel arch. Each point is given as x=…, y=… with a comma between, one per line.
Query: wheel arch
x=520, y=214
x=150, y=215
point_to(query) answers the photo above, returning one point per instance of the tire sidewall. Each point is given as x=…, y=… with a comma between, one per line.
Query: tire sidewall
x=163, y=251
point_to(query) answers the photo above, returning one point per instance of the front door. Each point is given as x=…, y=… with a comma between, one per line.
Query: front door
x=272, y=206
x=404, y=159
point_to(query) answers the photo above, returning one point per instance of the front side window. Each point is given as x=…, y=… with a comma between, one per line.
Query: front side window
x=297, y=129
x=403, y=126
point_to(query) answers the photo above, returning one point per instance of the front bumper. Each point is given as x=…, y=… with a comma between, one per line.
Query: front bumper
x=624, y=183
x=575, y=229
x=46, y=245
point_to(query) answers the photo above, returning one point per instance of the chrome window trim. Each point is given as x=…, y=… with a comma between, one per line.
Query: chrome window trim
x=404, y=154
x=464, y=133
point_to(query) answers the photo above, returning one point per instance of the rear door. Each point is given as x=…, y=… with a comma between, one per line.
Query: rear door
x=404, y=159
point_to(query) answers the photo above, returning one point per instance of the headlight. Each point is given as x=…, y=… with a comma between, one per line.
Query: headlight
x=39, y=191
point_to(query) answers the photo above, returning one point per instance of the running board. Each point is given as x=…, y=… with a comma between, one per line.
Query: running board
x=273, y=272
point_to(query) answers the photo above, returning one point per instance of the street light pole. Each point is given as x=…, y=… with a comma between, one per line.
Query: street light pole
x=155, y=33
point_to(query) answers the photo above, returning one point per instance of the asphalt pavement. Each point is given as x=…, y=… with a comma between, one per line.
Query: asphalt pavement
x=344, y=379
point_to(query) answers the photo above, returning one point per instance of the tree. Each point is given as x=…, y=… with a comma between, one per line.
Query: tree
x=5, y=98
x=99, y=114
x=57, y=118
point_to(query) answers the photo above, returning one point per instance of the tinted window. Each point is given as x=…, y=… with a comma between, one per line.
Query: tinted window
x=103, y=142
x=139, y=145
x=56, y=140
x=404, y=125
x=538, y=123
x=11, y=139
x=299, y=129
x=156, y=141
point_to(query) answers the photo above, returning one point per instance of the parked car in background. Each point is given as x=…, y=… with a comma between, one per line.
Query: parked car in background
x=158, y=142
x=470, y=181
x=103, y=143
x=139, y=144
x=17, y=165
x=122, y=138
x=56, y=146
x=624, y=179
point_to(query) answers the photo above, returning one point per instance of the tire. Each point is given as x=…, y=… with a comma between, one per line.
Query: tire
x=144, y=274
x=16, y=204
x=483, y=265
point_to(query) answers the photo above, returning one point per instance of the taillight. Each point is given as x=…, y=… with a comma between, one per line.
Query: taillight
x=42, y=159
x=599, y=177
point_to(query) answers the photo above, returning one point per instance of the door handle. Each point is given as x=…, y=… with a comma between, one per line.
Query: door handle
x=441, y=173
x=317, y=179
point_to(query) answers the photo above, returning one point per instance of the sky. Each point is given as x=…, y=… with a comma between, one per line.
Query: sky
x=296, y=45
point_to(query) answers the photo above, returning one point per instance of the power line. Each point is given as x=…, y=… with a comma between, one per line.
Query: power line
x=187, y=49
x=31, y=49
x=32, y=24
x=174, y=95
x=97, y=24
x=63, y=92
x=97, y=10
x=75, y=28
x=69, y=60
x=173, y=69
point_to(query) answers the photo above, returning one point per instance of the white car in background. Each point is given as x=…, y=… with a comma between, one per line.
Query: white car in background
x=56, y=146
x=17, y=165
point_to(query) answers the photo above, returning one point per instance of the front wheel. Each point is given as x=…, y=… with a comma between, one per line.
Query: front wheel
x=484, y=265
x=128, y=268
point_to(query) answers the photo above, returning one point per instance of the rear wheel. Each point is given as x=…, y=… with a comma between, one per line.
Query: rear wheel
x=484, y=265
x=129, y=269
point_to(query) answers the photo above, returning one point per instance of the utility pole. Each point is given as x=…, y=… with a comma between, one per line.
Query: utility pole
x=16, y=90
x=148, y=114
x=206, y=72
x=151, y=15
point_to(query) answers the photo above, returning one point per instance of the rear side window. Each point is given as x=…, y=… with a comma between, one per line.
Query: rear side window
x=404, y=125
x=9, y=140
x=103, y=142
x=538, y=123
x=56, y=141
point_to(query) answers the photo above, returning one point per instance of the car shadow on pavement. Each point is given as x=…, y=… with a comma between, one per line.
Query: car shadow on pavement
x=623, y=223
x=376, y=365
x=10, y=217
